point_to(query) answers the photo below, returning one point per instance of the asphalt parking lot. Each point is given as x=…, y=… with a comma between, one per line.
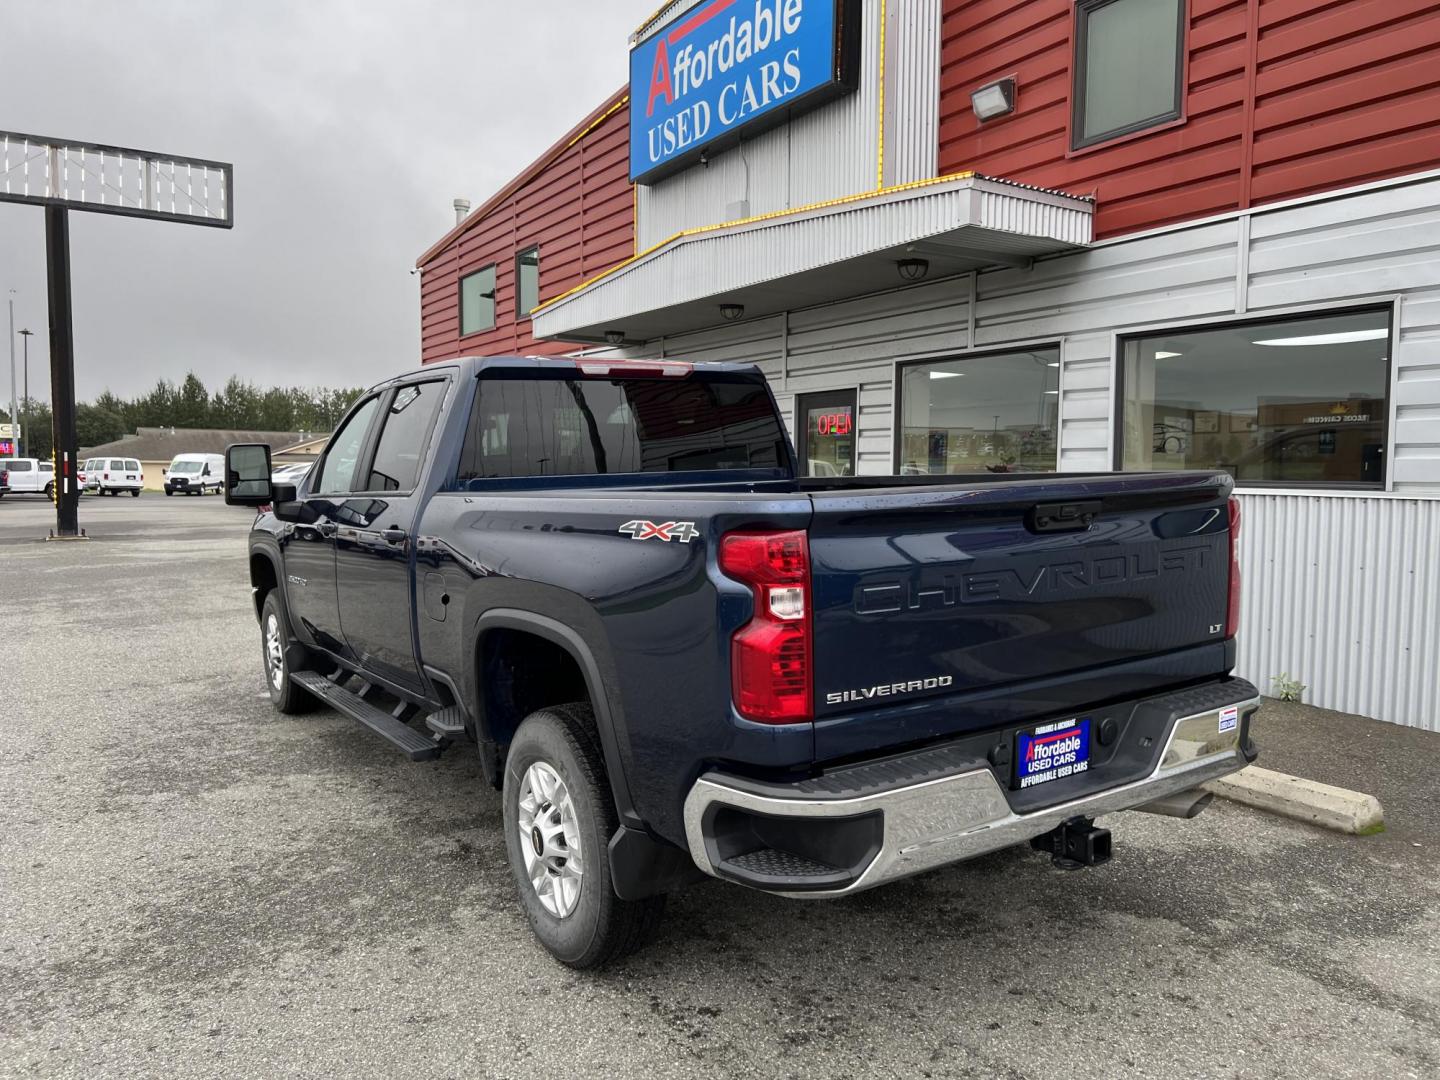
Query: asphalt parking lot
x=192, y=885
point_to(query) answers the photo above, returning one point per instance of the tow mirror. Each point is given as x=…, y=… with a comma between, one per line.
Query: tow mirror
x=247, y=474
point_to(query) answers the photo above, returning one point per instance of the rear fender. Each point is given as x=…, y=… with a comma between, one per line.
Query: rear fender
x=609, y=717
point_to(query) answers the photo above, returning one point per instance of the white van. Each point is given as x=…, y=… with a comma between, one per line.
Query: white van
x=112, y=475
x=195, y=474
x=28, y=474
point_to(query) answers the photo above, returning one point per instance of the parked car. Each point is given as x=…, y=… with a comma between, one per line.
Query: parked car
x=112, y=475
x=292, y=473
x=195, y=474
x=30, y=475
x=678, y=657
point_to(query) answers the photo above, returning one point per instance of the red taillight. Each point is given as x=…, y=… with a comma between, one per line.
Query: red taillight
x=770, y=655
x=1232, y=618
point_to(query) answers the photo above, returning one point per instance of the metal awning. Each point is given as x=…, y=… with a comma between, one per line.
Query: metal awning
x=831, y=251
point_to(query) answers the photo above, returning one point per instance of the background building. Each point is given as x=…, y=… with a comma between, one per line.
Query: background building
x=964, y=235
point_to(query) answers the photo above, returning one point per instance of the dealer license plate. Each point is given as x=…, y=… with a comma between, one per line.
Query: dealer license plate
x=1052, y=752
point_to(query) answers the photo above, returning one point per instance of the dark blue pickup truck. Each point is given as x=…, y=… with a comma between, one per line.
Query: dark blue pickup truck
x=676, y=656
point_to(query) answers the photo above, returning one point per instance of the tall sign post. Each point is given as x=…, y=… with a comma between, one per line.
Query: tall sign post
x=63, y=175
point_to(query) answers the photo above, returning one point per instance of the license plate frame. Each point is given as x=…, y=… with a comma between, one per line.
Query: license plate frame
x=1053, y=751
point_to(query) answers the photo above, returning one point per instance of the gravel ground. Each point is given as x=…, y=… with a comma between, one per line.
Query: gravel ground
x=192, y=885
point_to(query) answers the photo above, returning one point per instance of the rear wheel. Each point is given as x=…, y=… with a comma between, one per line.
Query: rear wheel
x=275, y=644
x=559, y=818
x=50, y=490
x=135, y=492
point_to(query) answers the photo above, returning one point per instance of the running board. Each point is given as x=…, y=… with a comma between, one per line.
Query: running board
x=414, y=744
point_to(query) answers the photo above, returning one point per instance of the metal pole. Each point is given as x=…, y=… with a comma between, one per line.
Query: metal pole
x=25, y=335
x=62, y=371
x=14, y=412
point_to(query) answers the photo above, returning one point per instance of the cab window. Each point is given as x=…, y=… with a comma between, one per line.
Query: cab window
x=402, y=441
x=342, y=456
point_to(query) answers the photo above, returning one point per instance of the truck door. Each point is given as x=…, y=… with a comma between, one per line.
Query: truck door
x=310, y=544
x=374, y=544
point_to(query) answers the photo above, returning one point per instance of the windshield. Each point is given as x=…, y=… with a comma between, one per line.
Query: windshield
x=185, y=466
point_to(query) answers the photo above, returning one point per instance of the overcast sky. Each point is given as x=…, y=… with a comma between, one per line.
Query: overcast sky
x=352, y=125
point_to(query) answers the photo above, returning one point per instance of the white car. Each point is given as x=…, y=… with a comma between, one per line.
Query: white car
x=112, y=475
x=28, y=474
x=195, y=474
x=291, y=473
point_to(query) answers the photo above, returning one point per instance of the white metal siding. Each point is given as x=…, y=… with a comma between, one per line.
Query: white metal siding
x=912, y=90
x=1340, y=592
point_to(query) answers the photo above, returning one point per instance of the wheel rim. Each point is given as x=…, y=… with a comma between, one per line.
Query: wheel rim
x=550, y=839
x=274, y=652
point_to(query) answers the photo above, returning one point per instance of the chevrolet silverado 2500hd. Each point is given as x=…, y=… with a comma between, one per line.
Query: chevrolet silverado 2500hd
x=676, y=656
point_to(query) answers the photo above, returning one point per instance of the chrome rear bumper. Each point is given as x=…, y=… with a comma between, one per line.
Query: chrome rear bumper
x=955, y=817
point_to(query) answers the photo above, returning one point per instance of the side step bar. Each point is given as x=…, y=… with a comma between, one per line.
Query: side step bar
x=415, y=745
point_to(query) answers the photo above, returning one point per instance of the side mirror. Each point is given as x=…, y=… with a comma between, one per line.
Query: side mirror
x=164, y=472
x=247, y=474
x=205, y=471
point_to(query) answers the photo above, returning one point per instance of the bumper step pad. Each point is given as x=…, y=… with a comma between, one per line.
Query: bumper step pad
x=416, y=745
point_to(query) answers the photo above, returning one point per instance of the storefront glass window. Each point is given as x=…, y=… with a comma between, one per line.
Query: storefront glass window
x=995, y=413
x=1299, y=401
x=827, y=433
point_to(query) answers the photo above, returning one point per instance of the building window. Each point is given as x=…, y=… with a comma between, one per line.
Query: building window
x=994, y=413
x=527, y=282
x=1295, y=401
x=477, y=301
x=1128, y=67
x=826, y=433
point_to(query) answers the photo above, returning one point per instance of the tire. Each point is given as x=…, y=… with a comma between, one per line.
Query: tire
x=589, y=926
x=135, y=492
x=168, y=493
x=275, y=642
x=50, y=491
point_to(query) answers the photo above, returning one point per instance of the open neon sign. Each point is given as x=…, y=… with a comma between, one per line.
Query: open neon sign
x=837, y=423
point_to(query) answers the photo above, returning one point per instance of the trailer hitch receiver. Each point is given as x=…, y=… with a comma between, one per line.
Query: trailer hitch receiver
x=1075, y=843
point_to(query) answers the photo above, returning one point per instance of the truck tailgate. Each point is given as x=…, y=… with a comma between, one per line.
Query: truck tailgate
x=946, y=592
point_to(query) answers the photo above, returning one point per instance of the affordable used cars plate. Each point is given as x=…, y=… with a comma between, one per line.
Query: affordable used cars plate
x=1052, y=752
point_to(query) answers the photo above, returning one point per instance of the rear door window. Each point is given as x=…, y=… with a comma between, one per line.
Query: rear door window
x=47, y=466
x=408, y=421
x=131, y=465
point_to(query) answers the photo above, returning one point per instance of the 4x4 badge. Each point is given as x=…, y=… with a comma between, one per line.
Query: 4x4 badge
x=684, y=531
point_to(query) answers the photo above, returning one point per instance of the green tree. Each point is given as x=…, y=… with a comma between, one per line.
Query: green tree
x=191, y=408
x=94, y=425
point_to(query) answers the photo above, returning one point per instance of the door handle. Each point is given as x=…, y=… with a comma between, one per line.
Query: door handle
x=327, y=528
x=394, y=535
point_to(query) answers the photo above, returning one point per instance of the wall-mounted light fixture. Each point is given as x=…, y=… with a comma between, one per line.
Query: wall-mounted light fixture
x=994, y=100
x=912, y=269
x=731, y=312
x=615, y=337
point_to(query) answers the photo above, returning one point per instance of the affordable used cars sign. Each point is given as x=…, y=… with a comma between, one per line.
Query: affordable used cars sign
x=725, y=66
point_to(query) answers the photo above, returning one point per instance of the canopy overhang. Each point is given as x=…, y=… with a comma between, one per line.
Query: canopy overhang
x=819, y=254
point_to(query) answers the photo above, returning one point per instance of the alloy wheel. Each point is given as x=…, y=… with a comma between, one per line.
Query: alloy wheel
x=550, y=839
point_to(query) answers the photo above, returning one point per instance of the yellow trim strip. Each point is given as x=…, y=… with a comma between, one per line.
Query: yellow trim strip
x=880, y=129
x=968, y=174
x=649, y=20
x=598, y=121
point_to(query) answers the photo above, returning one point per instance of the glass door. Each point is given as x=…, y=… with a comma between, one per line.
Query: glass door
x=827, y=433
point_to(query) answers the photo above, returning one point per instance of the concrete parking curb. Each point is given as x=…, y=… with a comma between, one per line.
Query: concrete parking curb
x=1304, y=800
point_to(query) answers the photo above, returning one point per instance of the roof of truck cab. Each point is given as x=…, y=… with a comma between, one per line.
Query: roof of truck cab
x=473, y=365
